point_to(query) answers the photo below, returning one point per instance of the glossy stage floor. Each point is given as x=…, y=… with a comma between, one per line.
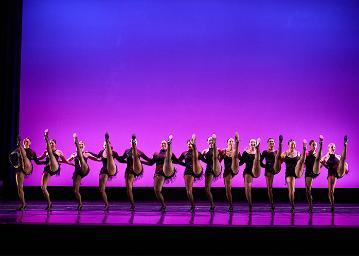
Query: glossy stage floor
x=149, y=231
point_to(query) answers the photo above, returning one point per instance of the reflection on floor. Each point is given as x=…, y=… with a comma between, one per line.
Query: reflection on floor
x=177, y=214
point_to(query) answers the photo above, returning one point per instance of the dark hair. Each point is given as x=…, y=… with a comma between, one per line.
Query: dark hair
x=27, y=138
x=311, y=141
x=290, y=140
x=53, y=141
x=270, y=138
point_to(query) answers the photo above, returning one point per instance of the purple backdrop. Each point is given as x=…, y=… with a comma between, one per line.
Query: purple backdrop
x=183, y=67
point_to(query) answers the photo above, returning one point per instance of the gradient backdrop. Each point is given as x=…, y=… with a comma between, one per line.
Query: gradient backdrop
x=183, y=67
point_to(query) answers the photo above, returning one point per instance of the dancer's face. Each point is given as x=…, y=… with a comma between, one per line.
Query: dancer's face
x=52, y=144
x=292, y=145
x=271, y=143
x=313, y=146
x=82, y=145
x=26, y=142
x=210, y=142
x=189, y=144
x=230, y=142
x=331, y=148
x=252, y=143
x=164, y=145
x=134, y=142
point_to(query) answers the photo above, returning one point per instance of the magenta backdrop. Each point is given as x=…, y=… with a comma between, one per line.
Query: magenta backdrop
x=182, y=67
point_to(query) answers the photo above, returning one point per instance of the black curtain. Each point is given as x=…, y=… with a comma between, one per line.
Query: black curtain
x=10, y=60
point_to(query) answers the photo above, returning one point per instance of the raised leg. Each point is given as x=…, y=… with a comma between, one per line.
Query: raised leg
x=136, y=163
x=54, y=165
x=25, y=162
x=256, y=169
x=299, y=168
x=343, y=166
x=84, y=166
x=316, y=166
x=168, y=168
x=235, y=160
x=216, y=163
x=278, y=161
x=197, y=168
x=111, y=167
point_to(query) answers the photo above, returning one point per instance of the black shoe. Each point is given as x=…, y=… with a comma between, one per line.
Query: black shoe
x=272, y=207
x=192, y=209
x=21, y=208
x=332, y=209
x=211, y=209
x=49, y=207
x=163, y=208
x=292, y=209
x=230, y=208
x=132, y=208
x=250, y=208
x=280, y=138
x=79, y=207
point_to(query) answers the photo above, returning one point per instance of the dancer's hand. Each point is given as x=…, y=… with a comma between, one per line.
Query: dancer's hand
x=107, y=136
x=321, y=139
x=345, y=139
x=75, y=137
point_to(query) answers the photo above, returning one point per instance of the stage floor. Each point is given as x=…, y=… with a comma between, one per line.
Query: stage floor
x=177, y=214
x=147, y=231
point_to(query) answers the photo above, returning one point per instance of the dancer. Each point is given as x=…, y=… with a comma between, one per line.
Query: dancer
x=53, y=157
x=294, y=163
x=269, y=156
x=231, y=158
x=134, y=169
x=21, y=159
x=250, y=157
x=337, y=167
x=193, y=170
x=212, y=157
x=165, y=171
x=109, y=168
x=82, y=169
x=311, y=160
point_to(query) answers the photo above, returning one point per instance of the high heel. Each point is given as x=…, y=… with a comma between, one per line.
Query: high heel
x=49, y=207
